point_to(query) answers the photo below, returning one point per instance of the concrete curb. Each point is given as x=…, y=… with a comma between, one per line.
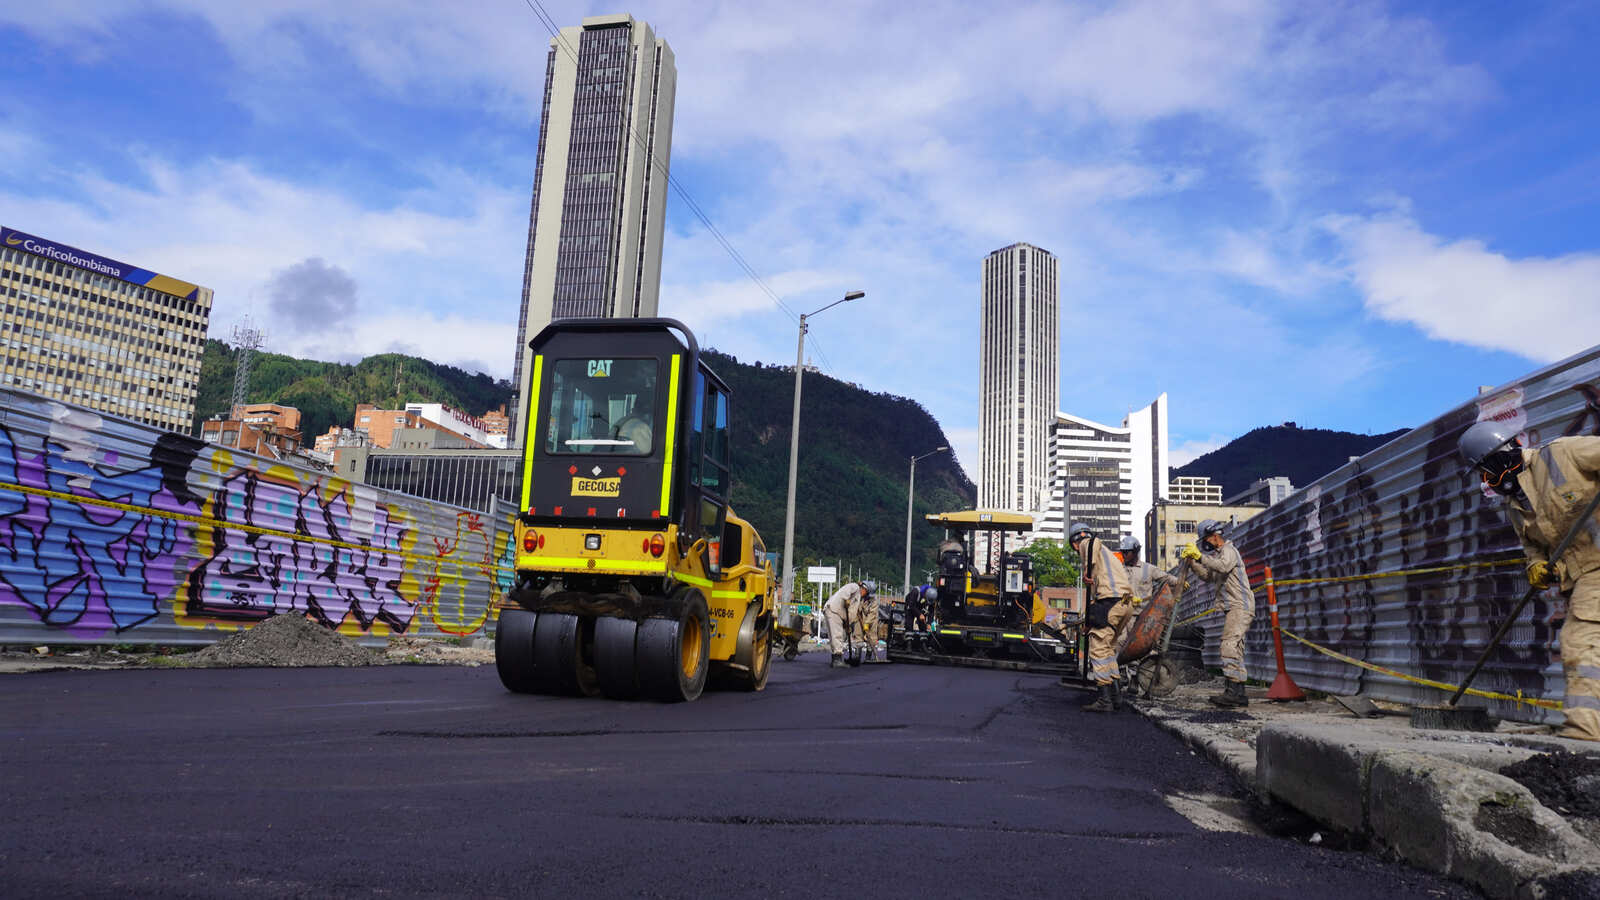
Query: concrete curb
x=1433, y=799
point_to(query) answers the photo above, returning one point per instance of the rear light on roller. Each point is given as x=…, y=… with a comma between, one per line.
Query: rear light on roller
x=531, y=541
x=658, y=545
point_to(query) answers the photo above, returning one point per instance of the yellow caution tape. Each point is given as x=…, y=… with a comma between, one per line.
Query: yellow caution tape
x=1336, y=579
x=1401, y=573
x=1198, y=616
x=236, y=526
x=1517, y=698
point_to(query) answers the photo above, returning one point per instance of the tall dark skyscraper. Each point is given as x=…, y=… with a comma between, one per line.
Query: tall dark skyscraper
x=600, y=185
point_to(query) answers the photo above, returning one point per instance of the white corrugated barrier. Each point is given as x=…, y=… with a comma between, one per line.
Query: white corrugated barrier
x=1399, y=559
x=115, y=532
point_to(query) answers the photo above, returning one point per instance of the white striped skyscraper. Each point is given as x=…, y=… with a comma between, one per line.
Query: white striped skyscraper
x=1019, y=368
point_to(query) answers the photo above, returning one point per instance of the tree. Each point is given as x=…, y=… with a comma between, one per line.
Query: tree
x=1054, y=565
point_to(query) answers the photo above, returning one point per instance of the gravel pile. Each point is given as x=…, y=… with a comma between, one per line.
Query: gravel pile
x=290, y=640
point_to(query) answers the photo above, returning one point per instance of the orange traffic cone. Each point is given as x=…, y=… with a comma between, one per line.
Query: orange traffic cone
x=1283, y=687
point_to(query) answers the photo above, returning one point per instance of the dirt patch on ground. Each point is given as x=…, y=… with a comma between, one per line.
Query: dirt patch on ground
x=285, y=641
x=1567, y=782
x=427, y=651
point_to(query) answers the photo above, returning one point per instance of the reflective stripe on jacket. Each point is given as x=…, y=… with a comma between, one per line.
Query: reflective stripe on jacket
x=1224, y=570
x=1108, y=578
x=1559, y=478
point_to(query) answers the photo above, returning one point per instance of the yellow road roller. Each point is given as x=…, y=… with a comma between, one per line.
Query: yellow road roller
x=635, y=579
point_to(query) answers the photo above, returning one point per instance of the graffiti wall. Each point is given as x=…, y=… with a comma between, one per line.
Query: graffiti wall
x=114, y=532
x=1401, y=559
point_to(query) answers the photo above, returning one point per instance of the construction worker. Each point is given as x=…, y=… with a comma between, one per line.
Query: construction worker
x=865, y=617
x=1546, y=488
x=1110, y=601
x=1218, y=563
x=918, y=603
x=839, y=611
x=1145, y=579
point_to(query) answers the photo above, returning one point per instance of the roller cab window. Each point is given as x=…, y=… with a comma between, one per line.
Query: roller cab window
x=602, y=406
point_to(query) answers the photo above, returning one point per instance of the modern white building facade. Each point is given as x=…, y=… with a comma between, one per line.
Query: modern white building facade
x=600, y=183
x=1105, y=476
x=1019, y=369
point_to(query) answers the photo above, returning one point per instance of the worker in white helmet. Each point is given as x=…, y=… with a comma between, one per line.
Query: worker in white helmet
x=1110, y=602
x=1146, y=581
x=1546, y=488
x=1217, y=562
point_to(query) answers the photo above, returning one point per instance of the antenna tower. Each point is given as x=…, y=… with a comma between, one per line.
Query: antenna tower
x=247, y=339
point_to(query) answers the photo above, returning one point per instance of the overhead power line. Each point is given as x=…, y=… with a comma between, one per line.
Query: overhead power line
x=549, y=23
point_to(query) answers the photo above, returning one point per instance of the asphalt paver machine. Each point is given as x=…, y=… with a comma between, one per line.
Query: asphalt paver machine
x=634, y=577
x=984, y=609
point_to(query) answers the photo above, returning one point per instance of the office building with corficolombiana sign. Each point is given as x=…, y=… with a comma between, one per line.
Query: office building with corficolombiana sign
x=85, y=329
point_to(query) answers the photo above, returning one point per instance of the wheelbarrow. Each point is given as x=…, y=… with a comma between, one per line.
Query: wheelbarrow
x=788, y=629
x=1142, y=646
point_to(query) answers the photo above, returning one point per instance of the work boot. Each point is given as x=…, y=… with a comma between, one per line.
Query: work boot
x=838, y=662
x=1103, y=702
x=1232, y=696
x=1116, y=697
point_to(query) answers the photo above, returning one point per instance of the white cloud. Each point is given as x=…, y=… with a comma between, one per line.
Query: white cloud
x=838, y=145
x=1191, y=450
x=232, y=228
x=964, y=444
x=1543, y=308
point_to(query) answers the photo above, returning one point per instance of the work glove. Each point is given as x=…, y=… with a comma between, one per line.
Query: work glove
x=1190, y=551
x=1539, y=574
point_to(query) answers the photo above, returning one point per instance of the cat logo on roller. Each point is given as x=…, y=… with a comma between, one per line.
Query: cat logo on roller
x=614, y=596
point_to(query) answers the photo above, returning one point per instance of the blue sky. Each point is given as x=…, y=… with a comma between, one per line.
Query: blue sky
x=1346, y=214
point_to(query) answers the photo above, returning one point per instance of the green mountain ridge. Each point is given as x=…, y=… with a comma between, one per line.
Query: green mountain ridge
x=855, y=445
x=1302, y=454
x=326, y=393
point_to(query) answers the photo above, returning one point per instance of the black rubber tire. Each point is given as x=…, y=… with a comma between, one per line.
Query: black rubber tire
x=755, y=656
x=791, y=650
x=673, y=655
x=513, y=650
x=1154, y=677
x=559, y=662
x=615, y=662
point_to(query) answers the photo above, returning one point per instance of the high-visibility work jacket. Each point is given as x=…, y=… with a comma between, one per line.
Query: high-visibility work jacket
x=1558, y=480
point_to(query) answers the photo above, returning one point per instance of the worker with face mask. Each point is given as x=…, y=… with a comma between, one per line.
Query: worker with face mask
x=1145, y=579
x=1110, y=602
x=1217, y=562
x=1546, y=489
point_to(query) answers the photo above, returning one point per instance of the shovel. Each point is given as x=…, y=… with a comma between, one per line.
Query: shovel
x=1476, y=718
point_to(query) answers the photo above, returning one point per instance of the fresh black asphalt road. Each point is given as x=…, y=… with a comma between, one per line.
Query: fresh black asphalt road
x=882, y=781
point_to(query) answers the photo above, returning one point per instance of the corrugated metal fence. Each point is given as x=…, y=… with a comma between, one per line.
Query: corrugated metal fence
x=1412, y=505
x=115, y=532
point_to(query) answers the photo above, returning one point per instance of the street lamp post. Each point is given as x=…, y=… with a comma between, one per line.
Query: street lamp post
x=911, y=488
x=794, y=446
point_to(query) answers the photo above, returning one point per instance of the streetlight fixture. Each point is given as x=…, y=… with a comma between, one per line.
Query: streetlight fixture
x=911, y=487
x=794, y=446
